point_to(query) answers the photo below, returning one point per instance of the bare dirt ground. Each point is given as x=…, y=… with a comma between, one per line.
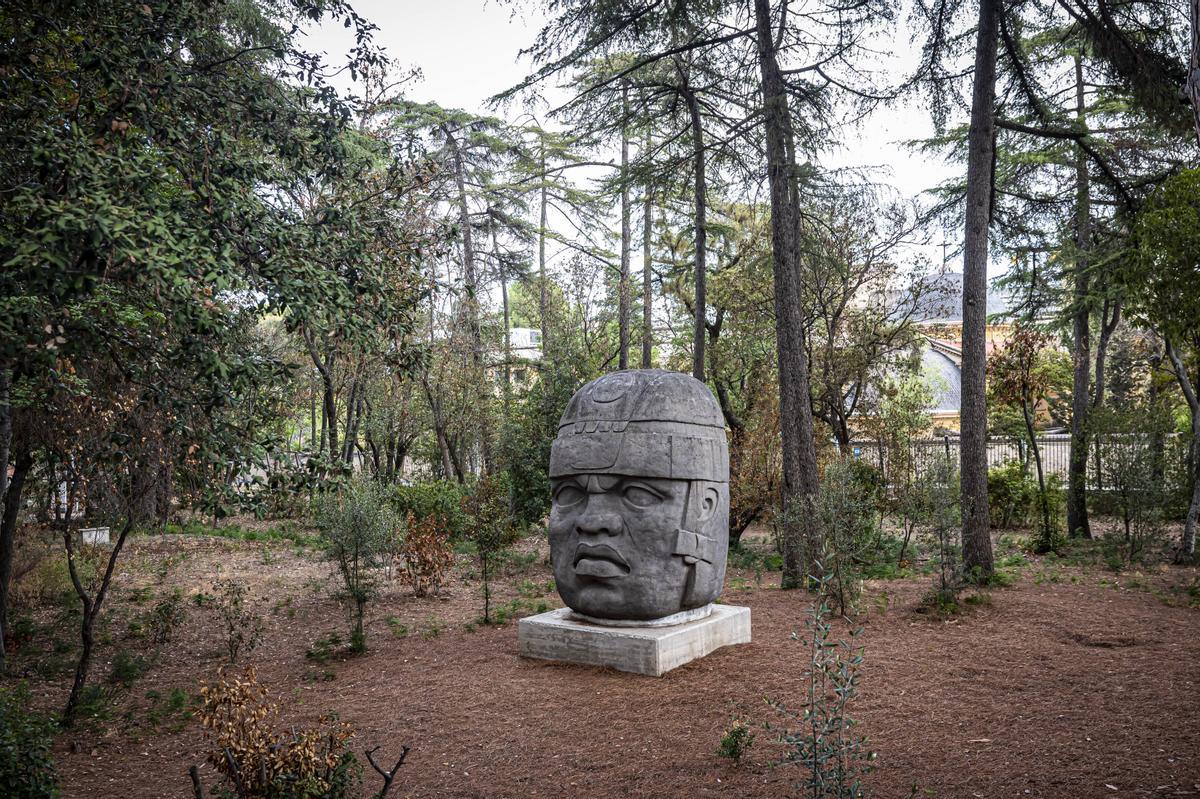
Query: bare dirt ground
x=1072, y=682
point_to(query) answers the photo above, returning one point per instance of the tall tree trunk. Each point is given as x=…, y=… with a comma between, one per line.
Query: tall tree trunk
x=470, y=278
x=471, y=288
x=543, y=299
x=22, y=463
x=700, y=223
x=796, y=424
x=1193, y=81
x=624, y=293
x=647, y=271
x=1110, y=317
x=1047, y=533
x=450, y=468
x=346, y=453
x=507, y=316
x=329, y=414
x=7, y=536
x=312, y=419
x=92, y=605
x=976, y=532
x=1081, y=355
x=1191, y=393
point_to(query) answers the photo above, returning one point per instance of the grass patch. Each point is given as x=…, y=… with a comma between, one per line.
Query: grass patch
x=398, y=629
x=283, y=533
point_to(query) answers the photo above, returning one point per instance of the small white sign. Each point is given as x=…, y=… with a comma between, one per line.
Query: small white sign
x=94, y=535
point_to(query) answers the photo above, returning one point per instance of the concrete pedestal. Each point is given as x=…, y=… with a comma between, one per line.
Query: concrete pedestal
x=559, y=635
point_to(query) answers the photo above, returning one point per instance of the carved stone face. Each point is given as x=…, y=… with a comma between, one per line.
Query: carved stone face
x=612, y=544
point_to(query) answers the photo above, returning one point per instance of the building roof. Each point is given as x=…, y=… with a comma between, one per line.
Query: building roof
x=944, y=302
x=942, y=375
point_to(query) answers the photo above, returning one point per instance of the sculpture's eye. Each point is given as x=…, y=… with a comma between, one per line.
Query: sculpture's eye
x=569, y=494
x=640, y=496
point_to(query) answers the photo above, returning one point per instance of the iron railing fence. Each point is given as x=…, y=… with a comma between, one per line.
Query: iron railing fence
x=1055, y=451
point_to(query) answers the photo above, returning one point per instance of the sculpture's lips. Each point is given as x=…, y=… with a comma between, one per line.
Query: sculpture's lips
x=599, y=560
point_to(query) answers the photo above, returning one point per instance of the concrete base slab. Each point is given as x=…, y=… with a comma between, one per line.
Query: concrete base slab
x=560, y=635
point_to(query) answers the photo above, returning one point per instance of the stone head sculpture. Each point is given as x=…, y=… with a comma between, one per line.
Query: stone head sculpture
x=639, y=472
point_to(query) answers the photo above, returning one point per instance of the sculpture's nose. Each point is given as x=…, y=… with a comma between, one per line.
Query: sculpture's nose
x=599, y=518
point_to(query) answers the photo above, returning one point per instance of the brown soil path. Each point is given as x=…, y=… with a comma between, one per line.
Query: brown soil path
x=1051, y=690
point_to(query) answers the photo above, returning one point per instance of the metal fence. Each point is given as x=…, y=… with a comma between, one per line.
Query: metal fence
x=1055, y=451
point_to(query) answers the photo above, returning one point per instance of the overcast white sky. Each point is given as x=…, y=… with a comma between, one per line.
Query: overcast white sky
x=468, y=51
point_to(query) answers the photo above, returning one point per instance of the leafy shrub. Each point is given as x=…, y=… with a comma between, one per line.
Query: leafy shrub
x=361, y=532
x=256, y=753
x=1013, y=495
x=428, y=554
x=129, y=667
x=820, y=736
x=324, y=648
x=747, y=555
x=26, y=768
x=863, y=475
x=439, y=499
x=492, y=528
x=527, y=433
x=261, y=758
x=845, y=515
x=1134, y=462
x=736, y=741
x=164, y=617
x=243, y=627
x=937, y=507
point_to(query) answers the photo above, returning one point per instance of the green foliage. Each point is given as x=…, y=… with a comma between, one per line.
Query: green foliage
x=243, y=627
x=166, y=615
x=1132, y=453
x=903, y=415
x=492, y=528
x=844, y=511
x=1014, y=499
x=323, y=649
x=1167, y=233
x=438, y=499
x=232, y=531
x=129, y=667
x=526, y=436
x=754, y=557
x=736, y=741
x=160, y=202
x=26, y=767
x=820, y=737
x=362, y=533
x=939, y=511
x=174, y=706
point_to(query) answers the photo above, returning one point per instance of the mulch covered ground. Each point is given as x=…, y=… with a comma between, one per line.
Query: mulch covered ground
x=1054, y=689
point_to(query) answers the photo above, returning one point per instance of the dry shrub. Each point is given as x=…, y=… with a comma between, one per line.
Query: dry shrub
x=261, y=758
x=428, y=555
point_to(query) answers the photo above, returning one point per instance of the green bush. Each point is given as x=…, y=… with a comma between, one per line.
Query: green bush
x=529, y=430
x=492, y=529
x=844, y=509
x=362, y=533
x=819, y=737
x=865, y=476
x=736, y=741
x=26, y=768
x=441, y=499
x=1013, y=499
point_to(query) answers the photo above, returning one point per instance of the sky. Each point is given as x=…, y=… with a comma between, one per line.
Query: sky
x=468, y=50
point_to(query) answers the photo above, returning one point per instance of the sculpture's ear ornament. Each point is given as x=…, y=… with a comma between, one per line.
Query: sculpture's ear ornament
x=694, y=547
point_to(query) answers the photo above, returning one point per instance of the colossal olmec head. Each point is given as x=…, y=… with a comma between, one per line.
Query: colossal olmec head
x=640, y=477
